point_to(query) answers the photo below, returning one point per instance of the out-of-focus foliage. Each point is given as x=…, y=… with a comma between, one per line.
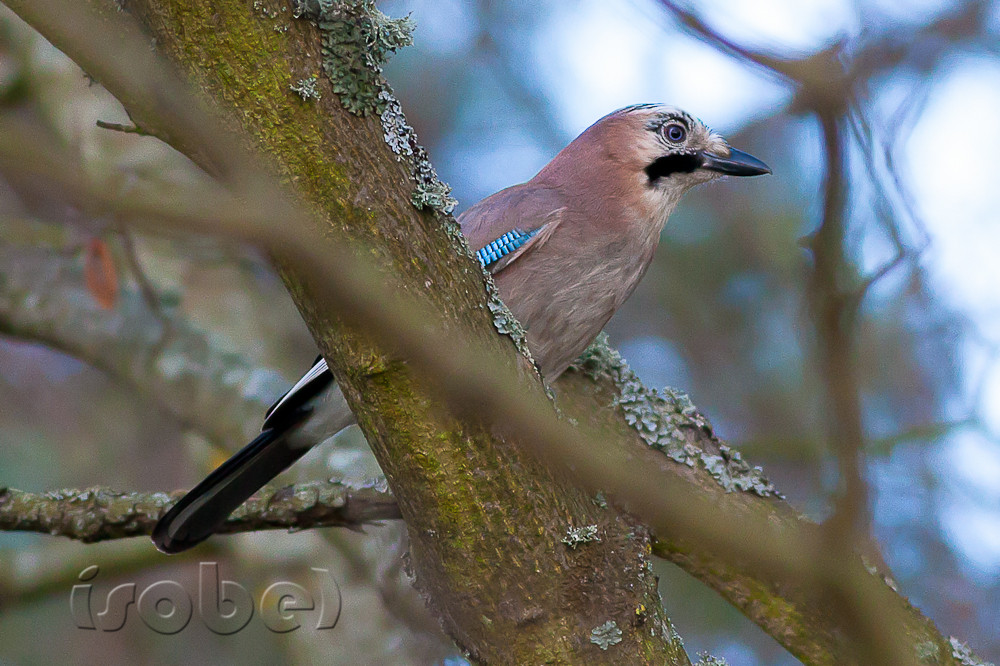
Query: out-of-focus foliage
x=494, y=90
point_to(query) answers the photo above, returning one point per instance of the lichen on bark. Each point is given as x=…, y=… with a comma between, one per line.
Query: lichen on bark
x=357, y=40
x=660, y=416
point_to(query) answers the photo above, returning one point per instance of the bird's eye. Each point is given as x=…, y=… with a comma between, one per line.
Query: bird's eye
x=675, y=133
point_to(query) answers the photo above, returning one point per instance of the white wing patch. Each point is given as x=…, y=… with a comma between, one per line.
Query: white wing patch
x=315, y=372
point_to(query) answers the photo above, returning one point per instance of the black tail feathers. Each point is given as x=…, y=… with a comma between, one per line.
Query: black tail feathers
x=200, y=513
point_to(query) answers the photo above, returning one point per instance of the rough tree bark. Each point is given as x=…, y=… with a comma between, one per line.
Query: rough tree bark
x=486, y=521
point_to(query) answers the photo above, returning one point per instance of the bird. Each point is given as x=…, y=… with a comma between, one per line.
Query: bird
x=565, y=250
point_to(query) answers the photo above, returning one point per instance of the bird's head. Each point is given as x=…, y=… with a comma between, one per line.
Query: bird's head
x=634, y=165
x=672, y=149
x=657, y=152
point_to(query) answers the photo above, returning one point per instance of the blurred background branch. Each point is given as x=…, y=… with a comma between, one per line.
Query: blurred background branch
x=167, y=361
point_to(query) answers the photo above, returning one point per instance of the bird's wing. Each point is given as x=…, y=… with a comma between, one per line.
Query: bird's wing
x=500, y=253
x=505, y=226
x=315, y=380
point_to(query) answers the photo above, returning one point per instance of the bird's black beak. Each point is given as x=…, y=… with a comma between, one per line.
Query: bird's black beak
x=737, y=164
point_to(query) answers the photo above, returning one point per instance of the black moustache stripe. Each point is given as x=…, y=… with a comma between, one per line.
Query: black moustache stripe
x=671, y=164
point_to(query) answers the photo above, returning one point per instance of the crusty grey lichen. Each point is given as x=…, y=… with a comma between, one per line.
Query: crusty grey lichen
x=705, y=659
x=928, y=652
x=306, y=88
x=430, y=192
x=606, y=635
x=576, y=536
x=504, y=320
x=963, y=654
x=434, y=195
x=357, y=40
x=507, y=324
x=264, y=11
x=660, y=418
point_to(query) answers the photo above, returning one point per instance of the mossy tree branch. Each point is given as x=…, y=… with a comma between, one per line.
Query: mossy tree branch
x=99, y=514
x=461, y=489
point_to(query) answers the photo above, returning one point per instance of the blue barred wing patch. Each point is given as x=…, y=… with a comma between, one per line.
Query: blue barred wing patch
x=501, y=247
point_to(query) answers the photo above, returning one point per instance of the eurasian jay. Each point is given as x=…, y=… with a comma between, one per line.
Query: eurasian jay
x=565, y=249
